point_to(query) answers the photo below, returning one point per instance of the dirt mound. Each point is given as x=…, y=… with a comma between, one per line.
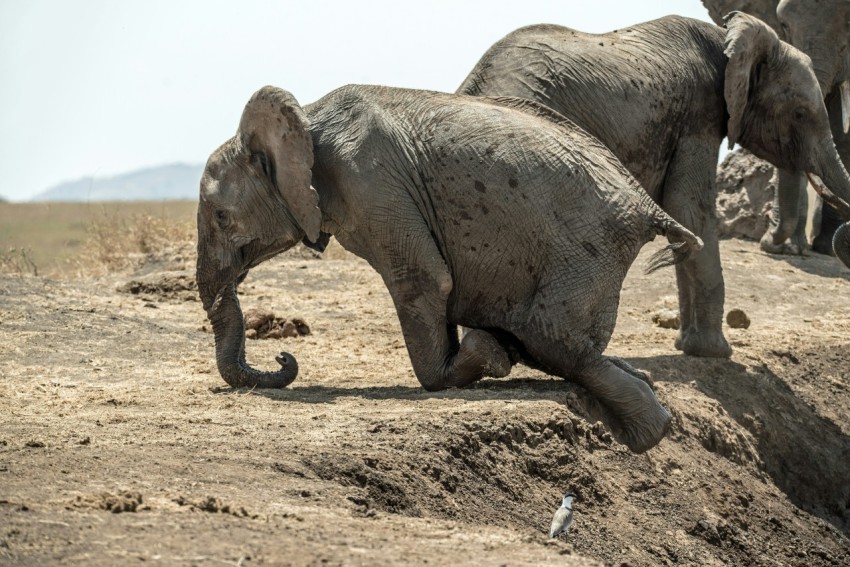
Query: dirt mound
x=128, y=501
x=745, y=189
x=511, y=466
x=163, y=286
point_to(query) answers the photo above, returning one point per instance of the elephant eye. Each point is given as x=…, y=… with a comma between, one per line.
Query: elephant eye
x=222, y=218
x=800, y=114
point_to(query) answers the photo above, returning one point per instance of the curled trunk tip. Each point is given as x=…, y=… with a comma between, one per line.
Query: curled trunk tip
x=229, y=330
x=841, y=243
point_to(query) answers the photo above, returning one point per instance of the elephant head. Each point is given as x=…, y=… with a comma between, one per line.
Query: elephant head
x=765, y=10
x=255, y=201
x=821, y=29
x=775, y=105
x=818, y=28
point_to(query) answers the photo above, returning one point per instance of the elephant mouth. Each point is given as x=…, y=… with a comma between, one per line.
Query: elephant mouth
x=249, y=257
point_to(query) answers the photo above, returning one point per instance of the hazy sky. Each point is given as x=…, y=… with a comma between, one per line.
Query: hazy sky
x=103, y=87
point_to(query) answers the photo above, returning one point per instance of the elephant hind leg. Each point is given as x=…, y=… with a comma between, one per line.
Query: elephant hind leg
x=689, y=197
x=635, y=416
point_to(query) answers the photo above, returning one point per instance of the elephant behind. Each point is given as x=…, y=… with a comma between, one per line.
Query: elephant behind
x=821, y=29
x=662, y=95
x=498, y=215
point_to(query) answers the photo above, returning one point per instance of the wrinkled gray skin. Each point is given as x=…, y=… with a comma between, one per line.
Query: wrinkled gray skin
x=475, y=212
x=662, y=95
x=821, y=29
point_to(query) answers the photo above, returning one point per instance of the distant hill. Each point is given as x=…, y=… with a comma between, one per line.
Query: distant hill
x=175, y=181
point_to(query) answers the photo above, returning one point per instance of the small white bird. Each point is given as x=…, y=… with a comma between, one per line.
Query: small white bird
x=563, y=516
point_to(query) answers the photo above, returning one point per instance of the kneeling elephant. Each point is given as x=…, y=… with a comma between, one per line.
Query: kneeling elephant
x=495, y=214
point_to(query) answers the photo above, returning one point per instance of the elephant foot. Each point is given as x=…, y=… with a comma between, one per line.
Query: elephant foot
x=635, y=416
x=792, y=247
x=480, y=355
x=822, y=244
x=706, y=344
x=799, y=244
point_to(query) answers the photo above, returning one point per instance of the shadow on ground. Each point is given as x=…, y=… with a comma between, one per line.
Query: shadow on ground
x=804, y=453
x=553, y=389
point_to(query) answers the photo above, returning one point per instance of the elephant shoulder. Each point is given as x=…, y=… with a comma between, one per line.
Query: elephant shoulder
x=536, y=38
x=349, y=116
x=538, y=31
x=681, y=26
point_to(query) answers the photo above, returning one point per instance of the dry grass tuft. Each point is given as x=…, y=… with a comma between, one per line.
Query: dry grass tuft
x=119, y=243
x=18, y=262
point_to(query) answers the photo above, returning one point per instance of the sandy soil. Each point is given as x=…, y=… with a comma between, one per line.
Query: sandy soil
x=120, y=444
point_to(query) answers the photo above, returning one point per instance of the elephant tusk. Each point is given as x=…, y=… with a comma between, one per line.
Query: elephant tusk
x=845, y=105
x=837, y=203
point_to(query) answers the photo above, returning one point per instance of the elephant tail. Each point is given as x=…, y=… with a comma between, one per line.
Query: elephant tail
x=683, y=243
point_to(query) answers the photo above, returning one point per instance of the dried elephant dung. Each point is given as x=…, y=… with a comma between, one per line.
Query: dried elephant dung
x=737, y=319
x=666, y=318
x=262, y=324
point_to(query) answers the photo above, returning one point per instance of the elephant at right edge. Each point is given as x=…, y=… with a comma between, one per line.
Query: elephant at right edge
x=662, y=95
x=821, y=29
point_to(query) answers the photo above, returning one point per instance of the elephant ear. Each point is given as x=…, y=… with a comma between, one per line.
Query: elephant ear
x=275, y=127
x=765, y=10
x=749, y=43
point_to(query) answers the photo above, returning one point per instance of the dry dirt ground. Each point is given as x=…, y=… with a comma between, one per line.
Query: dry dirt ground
x=121, y=445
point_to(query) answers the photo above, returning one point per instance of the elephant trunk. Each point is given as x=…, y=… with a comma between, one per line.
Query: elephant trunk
x=829, y=167
x=841, y=239
x=841, y=243
x=229, y=330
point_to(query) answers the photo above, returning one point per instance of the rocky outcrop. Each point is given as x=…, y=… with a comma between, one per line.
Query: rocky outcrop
x=745, y=189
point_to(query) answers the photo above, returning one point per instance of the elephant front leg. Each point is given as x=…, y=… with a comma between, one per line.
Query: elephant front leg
x=786, y=233
x=419, y=282
x=637, y=419
x=439, y=360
